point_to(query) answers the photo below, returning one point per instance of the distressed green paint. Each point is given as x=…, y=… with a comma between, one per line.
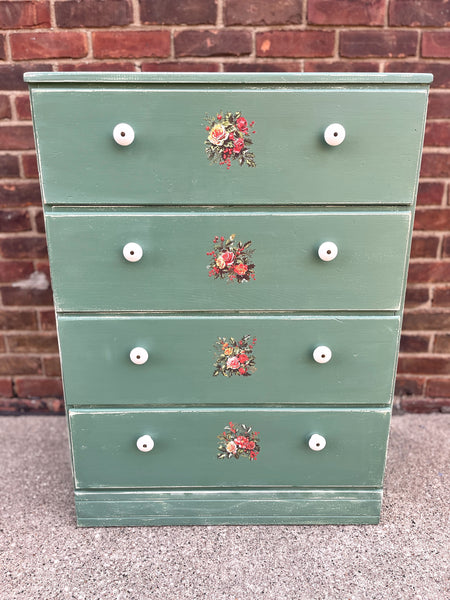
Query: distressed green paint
x=89, y=272
x=185, y=451
x=162, y=193
x=166, y=164
x=97, y=369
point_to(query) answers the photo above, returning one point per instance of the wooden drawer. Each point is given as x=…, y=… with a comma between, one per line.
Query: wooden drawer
x=377, y=163
x=194, y=360
x=187, y=447
x=176, y=271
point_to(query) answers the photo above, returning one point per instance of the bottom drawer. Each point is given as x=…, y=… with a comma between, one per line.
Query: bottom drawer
x=228, y=448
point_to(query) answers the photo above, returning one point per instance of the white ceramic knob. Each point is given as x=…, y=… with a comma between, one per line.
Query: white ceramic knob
x=317, y=442
x=327, y=251
x=132, y=252
x=322, y=354
x=145, y=443
x=123, y=134
x=334, y=134
x=139, y=356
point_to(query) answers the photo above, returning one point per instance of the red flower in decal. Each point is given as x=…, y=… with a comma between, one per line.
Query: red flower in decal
x=242, y=124
x=242, y=371
x=241, y=269
x=243, y=358
x=238, y=146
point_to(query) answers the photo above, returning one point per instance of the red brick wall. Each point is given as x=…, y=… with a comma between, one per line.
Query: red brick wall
x=216, y=35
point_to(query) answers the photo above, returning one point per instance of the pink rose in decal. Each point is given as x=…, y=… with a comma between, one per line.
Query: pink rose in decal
x=233, y=363
x=228, y=258
x=218, y=135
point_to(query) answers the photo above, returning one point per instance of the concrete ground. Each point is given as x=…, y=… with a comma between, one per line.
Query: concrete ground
x=44, y=556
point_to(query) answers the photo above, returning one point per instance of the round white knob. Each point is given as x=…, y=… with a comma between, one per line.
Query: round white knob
x=317, y=442
x=327, y=251
x=145, y=443
x=123, y=134
x=334, y=134
x=322, y=354
x=132, y=252
x=139, y=356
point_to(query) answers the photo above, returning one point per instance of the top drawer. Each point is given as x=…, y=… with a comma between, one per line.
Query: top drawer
x=282, y=127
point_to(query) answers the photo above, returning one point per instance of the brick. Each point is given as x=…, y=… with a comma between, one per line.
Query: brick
x=131, y=44
x=11, y=76
x=5, y=107
x=23, y=107
x=312, y=43
x=180, y=66
x=17, y=320
x=424, y=365
x=2, y=47
x=173, y=12
x=262, y=67
x=429, y=272
x=38, y=387
x=441, y=297
x=23, y=247
x=93, y=13
x=20, y=194
x=432, y=219
x=20, y=365
x=11, y=271
x=435, y=164
x=48, y=320
x=16, y=137
x=30, y=166
x=378, y=44
x=17, y=15
x=213, y=42
x=414, y=343
x=438, y=388
x=52, y=44
x=346, y=12
x=341, y=66
x=437, y=133
x=442, y=344
x=12, y=221
x=446, y=247
x=15, y=296
x=9, y=165
x=97, y=66
x=439, y=105
x=440, y=71
x=426, y=13
x=436, y=44
x=416, y=297
x=430, y=193
x=426, y=321
x=424, y=246
x=20, y=406
x=422, y=405
x=6, y=389
x=261, y=12
x=52, y=366
x=40, y=223
x=33, y=343
x=2, y=344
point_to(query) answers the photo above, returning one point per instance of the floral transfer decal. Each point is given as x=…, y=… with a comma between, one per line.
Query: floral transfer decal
x=231, y=260
x=228, y=139
x=234, y=357
x=237, y=441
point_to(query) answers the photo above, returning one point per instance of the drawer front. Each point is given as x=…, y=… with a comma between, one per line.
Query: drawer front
x=167, y=163
x=279, y=270
x=233, y=360
x=188, y=444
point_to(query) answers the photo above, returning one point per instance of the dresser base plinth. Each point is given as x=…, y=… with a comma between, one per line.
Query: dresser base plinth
x=238, y=507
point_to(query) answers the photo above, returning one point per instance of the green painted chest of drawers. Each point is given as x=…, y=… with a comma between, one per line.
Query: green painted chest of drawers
x=228, y=257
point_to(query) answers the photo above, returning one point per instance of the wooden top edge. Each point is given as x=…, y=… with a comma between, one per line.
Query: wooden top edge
x=228, y=78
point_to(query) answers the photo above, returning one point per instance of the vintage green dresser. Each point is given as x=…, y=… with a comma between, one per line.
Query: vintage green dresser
x=228, y=256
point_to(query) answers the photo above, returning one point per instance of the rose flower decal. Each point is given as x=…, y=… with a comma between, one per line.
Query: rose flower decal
x=238, y=440
x=231, y=260
x=229, y=139
x=234, y=357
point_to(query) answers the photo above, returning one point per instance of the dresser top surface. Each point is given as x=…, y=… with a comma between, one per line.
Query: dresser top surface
x=229, y=78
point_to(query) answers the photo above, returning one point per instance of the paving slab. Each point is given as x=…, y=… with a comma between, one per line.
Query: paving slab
x=43, y=555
